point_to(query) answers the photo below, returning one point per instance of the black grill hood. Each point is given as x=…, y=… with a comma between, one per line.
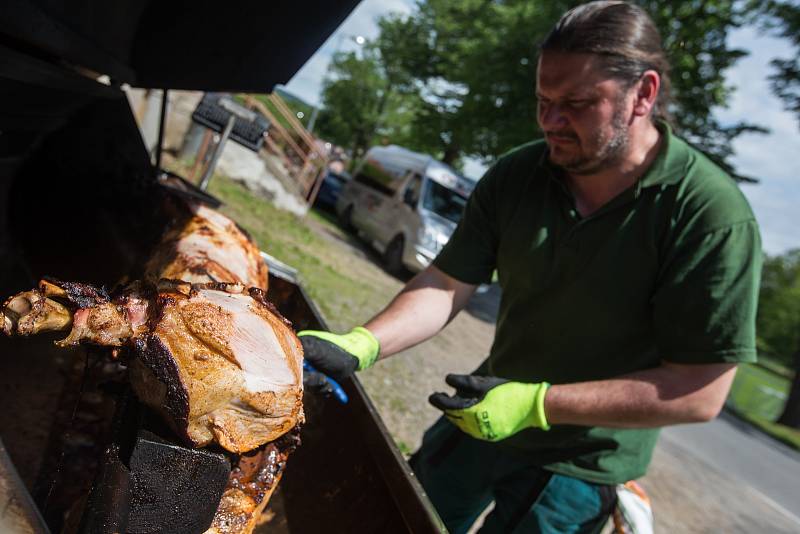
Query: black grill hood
x=232, y=45
x=69, y=140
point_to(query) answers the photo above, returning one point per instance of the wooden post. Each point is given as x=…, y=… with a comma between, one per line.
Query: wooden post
x=298, y=126
x=321, y=173
x=300, y=175
x=201, y=156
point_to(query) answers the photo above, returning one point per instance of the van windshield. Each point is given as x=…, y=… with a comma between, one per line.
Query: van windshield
x=443, y=201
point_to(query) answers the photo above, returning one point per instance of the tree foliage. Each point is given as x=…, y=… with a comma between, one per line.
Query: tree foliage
x=695, y=38
x=473, y=64
x=457, y=77
x=354, y=99
x=778, y=323
x=783, y=17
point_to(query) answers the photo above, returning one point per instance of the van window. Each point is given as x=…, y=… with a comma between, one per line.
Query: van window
x=411, y=194
x=382, y=176
x=443, y=201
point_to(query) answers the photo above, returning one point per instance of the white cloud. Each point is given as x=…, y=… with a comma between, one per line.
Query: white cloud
x=776, y=199
x=473, y=168
x=362, y=21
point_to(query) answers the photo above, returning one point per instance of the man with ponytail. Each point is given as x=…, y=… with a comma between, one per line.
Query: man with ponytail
x=629, y=265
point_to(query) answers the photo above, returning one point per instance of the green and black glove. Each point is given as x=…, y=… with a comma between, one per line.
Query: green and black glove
x=491, y=408
x=339, y=356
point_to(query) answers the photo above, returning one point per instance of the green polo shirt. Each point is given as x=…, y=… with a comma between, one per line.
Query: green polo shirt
x=667, y=270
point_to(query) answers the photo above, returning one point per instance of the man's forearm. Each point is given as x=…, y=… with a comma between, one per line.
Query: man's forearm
x=424, y=306
x=669, y=394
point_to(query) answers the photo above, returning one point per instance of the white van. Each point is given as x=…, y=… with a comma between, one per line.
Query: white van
x=406, y=204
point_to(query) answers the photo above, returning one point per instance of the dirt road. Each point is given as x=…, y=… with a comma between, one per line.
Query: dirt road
x=689, y=494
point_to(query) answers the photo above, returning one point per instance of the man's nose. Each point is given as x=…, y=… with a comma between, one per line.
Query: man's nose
x=551, y=116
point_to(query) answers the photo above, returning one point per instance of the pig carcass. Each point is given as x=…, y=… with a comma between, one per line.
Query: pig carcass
x=208, y=352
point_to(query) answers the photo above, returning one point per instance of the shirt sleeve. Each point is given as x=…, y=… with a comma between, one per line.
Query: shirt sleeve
x=706, y=301
x=471, y=253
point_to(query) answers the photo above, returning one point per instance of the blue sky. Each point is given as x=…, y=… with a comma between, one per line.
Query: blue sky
x=775, y=200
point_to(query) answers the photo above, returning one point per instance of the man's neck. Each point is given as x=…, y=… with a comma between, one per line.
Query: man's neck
x=593, y=191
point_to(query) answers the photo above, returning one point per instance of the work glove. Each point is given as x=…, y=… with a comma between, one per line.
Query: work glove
x=339, y=356
x=490, y=408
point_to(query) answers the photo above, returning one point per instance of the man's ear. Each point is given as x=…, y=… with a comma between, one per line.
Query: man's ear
x=646, y=93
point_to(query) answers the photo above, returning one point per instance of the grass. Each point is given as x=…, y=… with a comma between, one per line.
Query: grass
x=344, y=296
x=404, y=449
x=758, y=395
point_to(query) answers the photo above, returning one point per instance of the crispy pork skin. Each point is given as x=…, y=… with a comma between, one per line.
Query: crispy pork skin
x=209, y=247
x=217, y=361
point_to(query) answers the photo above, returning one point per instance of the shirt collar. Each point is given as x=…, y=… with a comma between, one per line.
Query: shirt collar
x=672, y=161
x=668, y=168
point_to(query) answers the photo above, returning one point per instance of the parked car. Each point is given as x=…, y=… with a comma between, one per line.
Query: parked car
x=331, y=188
x=406, y=204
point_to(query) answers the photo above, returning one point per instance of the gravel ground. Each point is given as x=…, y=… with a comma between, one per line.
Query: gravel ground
x=689, y=496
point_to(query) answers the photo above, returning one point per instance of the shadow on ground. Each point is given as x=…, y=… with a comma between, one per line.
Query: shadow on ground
x=348, y=238
x=343, y=236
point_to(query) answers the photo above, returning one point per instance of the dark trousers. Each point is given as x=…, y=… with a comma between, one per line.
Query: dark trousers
x=463, y=475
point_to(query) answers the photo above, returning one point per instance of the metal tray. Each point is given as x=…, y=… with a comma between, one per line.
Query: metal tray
x=348, y=475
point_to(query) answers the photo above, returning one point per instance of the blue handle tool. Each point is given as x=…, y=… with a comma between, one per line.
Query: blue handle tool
x=337, y=389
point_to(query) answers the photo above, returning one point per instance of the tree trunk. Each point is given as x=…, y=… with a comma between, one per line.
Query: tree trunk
x=451, y=153
x=791, y=412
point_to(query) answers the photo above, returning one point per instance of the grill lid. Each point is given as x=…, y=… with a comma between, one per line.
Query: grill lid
x=235, y=46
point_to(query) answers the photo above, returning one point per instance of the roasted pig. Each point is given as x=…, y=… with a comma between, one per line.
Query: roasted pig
x=206, y=350
x=217, y=361
x=208, y=247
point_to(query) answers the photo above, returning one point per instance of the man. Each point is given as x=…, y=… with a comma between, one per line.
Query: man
x=629, y=265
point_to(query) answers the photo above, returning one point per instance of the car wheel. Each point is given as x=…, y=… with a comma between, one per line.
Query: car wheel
x=393, y=256
x=346, y=219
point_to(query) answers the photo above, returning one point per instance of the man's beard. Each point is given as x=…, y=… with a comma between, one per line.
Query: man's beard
x=609, y=149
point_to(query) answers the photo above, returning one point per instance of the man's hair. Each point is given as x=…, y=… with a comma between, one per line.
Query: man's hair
x=624, y=36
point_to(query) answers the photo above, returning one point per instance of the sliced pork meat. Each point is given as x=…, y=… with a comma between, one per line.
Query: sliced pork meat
x=209, y=247
x=217, y=361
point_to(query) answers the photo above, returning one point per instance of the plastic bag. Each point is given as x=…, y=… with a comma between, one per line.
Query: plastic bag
x=634, y=513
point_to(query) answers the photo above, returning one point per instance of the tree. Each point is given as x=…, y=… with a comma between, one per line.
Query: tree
x=470, y=62
x=778, y=322
x=695, y=37
x=783, y=18
x=353, y=101
x=365, y=102
x=473, y=62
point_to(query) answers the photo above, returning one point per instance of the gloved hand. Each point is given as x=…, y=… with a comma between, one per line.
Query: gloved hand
x=339, y=356
x=490, y=408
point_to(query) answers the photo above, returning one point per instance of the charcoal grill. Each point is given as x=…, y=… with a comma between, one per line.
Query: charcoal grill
x=214, y=111
x=81, y=200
